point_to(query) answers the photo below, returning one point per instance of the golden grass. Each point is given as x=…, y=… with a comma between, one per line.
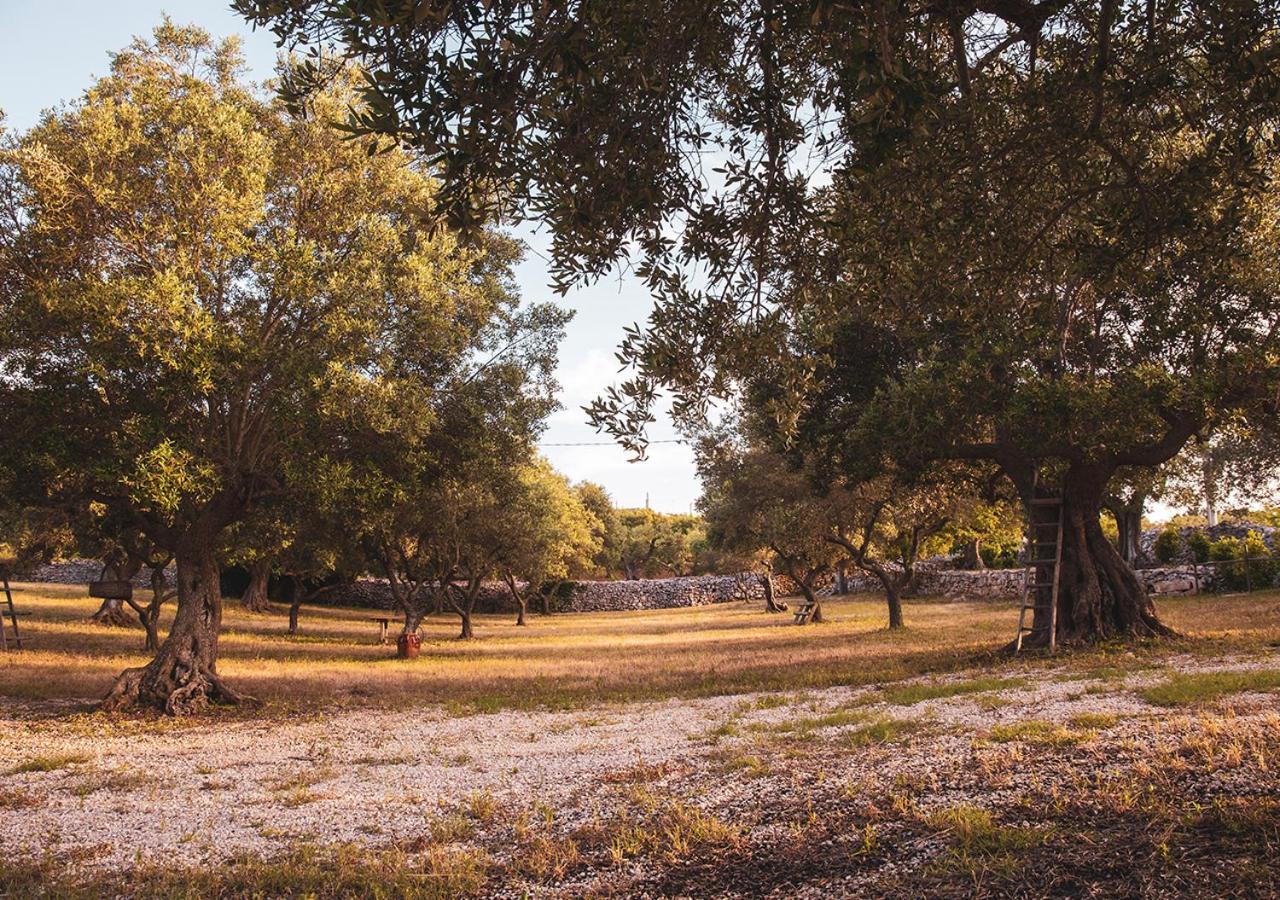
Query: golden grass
x=569, y=660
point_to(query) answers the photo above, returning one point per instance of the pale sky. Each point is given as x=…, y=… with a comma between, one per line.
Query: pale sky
x=50, y=52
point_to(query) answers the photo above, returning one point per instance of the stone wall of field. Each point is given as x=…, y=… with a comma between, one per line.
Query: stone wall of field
x=582, y=596
x=588, y=596
x=934, y=579
x=1007, y=584
x=83, y=571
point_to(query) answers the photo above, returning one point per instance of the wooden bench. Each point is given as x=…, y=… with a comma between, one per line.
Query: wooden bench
x=384, y=622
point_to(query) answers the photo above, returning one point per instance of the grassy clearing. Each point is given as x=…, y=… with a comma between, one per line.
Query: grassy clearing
x=573, y=660
x=1203, y=687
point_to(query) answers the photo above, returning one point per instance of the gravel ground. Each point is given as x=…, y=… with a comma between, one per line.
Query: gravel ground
x=198, y=793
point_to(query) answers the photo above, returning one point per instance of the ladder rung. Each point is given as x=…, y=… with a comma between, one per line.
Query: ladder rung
x=1046, y=501
x=1042, y=562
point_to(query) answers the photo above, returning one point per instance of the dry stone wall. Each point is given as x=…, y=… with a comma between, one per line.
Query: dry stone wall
x=83, y=571
x=589, y=596
x=933, y=580
x=582, y=596
x=1007, y=584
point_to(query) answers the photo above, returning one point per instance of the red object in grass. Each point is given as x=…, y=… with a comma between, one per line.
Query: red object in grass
x=408, y=646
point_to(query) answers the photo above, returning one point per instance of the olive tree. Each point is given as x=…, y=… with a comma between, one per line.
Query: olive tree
x=198, y=282
x=1060, y=211
x=545, y=535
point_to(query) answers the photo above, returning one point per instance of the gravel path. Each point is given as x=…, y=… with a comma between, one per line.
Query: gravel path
x=198, y=794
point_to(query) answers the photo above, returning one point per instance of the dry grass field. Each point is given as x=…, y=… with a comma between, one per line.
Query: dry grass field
x=563, y=661
x=717, y=751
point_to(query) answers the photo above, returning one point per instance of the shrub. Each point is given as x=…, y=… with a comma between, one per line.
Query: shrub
x=1231, y=553
x=999, y=557
x=1168, y=545
x=1198, y=543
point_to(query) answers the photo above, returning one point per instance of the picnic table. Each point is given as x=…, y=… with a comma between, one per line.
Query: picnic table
x=384, y=622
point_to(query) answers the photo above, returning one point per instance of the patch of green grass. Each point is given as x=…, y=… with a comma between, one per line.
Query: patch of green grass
x=726, y=729
x=1094, y=720
x=749, y=764
x=807, y=724
x=48, y=763
x=993, y=701
x=664, y=827
x=771, y=701
x=482, y=806
x=1202, y=687
x=915, y=693
x=451, y=829
x=882, y=731
x=305, y=871
x=978, y=842
x=1035, y=731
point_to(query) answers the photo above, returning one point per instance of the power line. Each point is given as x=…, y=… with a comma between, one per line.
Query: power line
x=605, y=443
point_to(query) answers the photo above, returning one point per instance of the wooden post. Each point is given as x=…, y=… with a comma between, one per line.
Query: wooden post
x=1248, y=576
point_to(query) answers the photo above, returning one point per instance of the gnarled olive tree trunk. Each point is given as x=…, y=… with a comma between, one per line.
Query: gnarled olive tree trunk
x=1099, y=595
x=771, y=602
x=518, y=597
x=255, y=597
x=183, y=677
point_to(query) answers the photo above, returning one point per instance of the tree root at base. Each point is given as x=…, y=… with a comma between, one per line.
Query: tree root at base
x=174, y=696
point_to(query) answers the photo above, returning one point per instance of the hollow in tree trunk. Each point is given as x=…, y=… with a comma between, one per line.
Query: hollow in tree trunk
x=255, y=597
x=1099, y=595
x=183, y=677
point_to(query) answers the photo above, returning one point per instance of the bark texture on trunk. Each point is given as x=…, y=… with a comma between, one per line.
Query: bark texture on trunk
x=1099, y=594
x=972, y=558
x=255, y=597
x=183, y=677
x=518, y=598
x=149, y=615
x=771, y=602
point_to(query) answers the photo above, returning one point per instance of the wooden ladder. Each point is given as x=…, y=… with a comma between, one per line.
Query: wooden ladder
x=1042, y=553
x=7, y=611
x=804, y=611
